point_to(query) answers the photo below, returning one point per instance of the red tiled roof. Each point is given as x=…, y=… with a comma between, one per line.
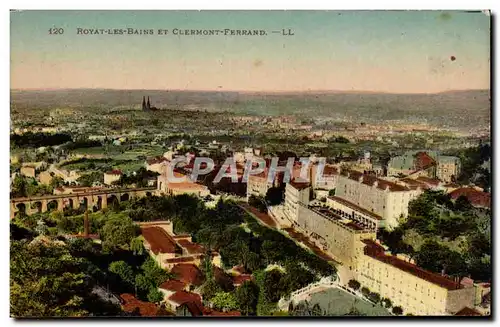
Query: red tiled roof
x=195, y=308
x=299, y=186
x=188, y=273
x=375, y=251
x=355, y=207
x=239, y=269
x=240, y=279
x=330, y=171
x=114, y=172
x=213, y=313
x=370, y=180
x=173, y=285
x=192, y=248
x=466, y=311
x=156, y=160
x=428, y=180
x=475, y=197
x=159, y=240
x=181, y=297
x=423, y=161
x=131, y=304
x=413, y=183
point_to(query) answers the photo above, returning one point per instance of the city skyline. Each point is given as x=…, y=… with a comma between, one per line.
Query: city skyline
x=353, y=51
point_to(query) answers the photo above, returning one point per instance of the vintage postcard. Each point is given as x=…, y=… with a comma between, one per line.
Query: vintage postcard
x=241, y=164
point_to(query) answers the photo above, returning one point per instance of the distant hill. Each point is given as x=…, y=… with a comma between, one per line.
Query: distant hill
x=452, y=108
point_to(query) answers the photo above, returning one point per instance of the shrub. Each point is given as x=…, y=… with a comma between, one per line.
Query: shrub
x=397, y=310
x=354, y=284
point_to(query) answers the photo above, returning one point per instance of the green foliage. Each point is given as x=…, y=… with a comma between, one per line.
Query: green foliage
x=154, y=272
x=247, y=296
x=224, y=301
x=91, y=178
x=155, y=295
x=397, y=310
x=26, y=187
x=386, y=303
x=137, y=245
x=36, y=140
x=257, y=203
x=275, y=195
x=450, y=236
x=374, y=297
x=354, y=284
x=210, y=288
x=365, y=291
x=45, y=281
x=118, y=233
x=123, y=270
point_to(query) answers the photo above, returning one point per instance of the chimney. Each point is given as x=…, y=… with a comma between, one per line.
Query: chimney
x=86, y=224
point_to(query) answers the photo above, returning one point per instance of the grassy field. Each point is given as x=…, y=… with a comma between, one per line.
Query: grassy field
x=337, y=303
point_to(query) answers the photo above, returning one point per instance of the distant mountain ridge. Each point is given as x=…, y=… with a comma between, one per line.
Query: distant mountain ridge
x=455, y=108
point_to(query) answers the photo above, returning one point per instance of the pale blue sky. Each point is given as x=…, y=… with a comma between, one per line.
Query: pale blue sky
x=391, y=51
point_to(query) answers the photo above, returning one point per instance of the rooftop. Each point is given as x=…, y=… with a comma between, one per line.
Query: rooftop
x=159, y=240
x=114, y=172
x=299, y=186
x=376, y=251
x=188, y=273
x=475, y=197
x=131, y=304
x=191, y=248
x=466, y=311
x=372, y=180
x=181, y=297
x=355, y=207
x=173, y=285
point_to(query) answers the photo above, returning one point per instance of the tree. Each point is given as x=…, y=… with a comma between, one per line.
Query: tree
x=374, y=297
x=272, y=285
x=386, y=303
x=247, y=296
x=275, y=195
x=154, y=272
x=354, y=284
x=210, y=288
x=270, y=250
x=118, y=232
x=56, y=182
x=225, y=301
x=123, y=270
x=397, y=310
x=137, y=246
x=45, y=281
x=463, y=204
x=155, y=295
x=365, y=291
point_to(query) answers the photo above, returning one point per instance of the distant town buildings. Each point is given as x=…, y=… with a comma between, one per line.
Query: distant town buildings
x=112, y=176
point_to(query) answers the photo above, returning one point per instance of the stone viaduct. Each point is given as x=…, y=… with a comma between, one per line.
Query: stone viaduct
x=89, y=200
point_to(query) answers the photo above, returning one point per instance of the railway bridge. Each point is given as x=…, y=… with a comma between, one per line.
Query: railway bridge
x=89, y=200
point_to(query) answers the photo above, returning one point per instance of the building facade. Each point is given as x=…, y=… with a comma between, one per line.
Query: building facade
x=333, y=234
x=417, y=291
x=381, y=197
x=295, y=194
